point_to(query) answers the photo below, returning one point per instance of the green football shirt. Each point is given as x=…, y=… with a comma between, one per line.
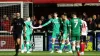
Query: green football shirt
x=65, y=24
x=56, y=24
x=28, y=27
x=75, y=24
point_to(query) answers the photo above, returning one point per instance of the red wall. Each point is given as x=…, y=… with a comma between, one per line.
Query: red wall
x=65, y=1
x=57, y=1
x=16, y=0
x=10, y=44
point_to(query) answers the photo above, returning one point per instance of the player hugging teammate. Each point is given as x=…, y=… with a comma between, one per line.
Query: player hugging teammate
x=65, y=32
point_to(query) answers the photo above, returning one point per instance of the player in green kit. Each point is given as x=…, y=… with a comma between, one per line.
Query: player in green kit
x=56, y=29
x=65, y=32
x=28, y=31
x=75, y=32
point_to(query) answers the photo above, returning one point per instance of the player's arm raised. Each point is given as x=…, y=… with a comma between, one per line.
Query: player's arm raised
x=46, y=23
x=33, y=26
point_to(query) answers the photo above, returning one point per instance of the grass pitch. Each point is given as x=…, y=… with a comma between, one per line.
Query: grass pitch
x=47, y=53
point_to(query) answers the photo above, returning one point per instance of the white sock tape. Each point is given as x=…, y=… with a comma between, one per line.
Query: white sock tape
x=27, y=43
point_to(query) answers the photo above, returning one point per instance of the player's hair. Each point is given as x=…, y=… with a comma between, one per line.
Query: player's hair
x=50, y=15
x=74, y=13
x=29, y=17
x=55, y=13
x=65, y=14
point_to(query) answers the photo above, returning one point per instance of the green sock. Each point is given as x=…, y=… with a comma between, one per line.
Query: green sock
x=62, y=46
x=30, y=46
x=53, y=47
x=27, y=46
x=69, y=47
x=78, y=48
x=23, y=46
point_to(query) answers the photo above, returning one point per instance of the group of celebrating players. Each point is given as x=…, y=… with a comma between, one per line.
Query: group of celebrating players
x=63, y=27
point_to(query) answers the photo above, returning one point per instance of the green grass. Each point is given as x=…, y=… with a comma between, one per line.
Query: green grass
x=46, y=53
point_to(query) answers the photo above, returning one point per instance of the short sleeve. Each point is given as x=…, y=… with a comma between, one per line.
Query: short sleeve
x=23, y=22
x=47, y=23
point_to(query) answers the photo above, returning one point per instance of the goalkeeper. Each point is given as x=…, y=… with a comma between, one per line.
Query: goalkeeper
x=28, y=31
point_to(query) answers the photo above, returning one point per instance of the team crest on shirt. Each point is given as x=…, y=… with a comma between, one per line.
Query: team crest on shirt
x=18, y=23
x=55, y=21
